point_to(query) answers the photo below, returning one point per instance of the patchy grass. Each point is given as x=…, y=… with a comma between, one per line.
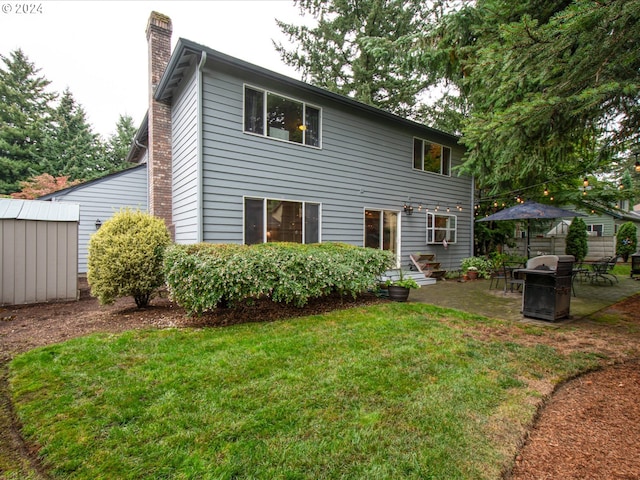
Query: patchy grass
x=622, y=269
x=386, y=392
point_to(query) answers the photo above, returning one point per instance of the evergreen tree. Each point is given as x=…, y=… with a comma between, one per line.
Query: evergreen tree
x=70, y=148
x=545, y=92
x=119, y=143
x=577, y=242
x=549, y=87
x=626, y=240
x=335, y=54
x=24, y=111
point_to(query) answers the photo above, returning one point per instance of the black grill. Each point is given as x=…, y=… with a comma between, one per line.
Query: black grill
x=547, y=292
x=635, y=264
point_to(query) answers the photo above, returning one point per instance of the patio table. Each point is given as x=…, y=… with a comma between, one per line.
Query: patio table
x=602, y=270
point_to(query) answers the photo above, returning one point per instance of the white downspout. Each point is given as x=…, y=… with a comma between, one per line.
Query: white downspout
x=200, y=154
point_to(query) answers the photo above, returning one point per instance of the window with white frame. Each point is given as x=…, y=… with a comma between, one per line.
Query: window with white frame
x=431, y=157
x=283, y=118
x=595, y=230
x=441, y=227
x=269, y=220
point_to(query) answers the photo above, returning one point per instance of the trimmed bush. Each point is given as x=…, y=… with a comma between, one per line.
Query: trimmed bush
x=577, y=243
x=125, y=257
x=205, y=276
x=626, y=240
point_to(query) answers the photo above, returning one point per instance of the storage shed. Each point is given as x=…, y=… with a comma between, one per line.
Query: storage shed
x=38, y=251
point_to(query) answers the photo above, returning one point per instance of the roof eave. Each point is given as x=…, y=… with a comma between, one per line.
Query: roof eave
x=177, y=65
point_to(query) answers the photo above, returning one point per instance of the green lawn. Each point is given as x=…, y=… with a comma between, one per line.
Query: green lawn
x=384, y=392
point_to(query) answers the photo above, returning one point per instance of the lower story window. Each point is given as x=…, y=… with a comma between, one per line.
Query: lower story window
x=441, y=227
x=268, y=220
x=381, y=230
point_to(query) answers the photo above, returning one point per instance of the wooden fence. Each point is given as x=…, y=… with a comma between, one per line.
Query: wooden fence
x=598, y=246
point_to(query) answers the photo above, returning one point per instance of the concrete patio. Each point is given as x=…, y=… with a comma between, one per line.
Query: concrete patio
x=476, y=297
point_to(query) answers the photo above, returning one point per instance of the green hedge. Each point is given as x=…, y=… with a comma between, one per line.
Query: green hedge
x=202, y=277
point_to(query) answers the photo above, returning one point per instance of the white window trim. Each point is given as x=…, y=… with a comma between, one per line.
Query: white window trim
x=433, y=229
x=264, y=216
x=591, y=231
x=448, y=174
x=265, y=127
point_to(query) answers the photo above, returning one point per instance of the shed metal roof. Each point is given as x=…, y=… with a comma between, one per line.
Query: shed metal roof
x=16, y=209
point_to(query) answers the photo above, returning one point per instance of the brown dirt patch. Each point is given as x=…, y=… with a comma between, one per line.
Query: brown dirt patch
x=587, y=429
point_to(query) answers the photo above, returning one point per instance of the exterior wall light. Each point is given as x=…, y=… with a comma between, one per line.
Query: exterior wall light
x=408, y=209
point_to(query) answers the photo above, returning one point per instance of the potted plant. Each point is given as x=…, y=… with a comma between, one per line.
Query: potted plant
x=475, y=267
x=399, y=289
x=472, y=273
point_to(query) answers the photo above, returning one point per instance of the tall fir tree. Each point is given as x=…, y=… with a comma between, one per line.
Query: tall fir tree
x=548, y=100
x=546, y=90
x=70, y=148
x=25, y=110
x=119, y=143
x=334, y=53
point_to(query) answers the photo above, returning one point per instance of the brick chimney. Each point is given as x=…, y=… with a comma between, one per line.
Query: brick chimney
x=159, y=159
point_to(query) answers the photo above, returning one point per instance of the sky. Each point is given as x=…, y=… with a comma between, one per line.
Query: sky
x=98, y=49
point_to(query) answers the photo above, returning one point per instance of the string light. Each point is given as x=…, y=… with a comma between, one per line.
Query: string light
x=423, y=206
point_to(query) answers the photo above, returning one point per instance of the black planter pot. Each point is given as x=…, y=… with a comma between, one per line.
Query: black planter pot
x=398, y=294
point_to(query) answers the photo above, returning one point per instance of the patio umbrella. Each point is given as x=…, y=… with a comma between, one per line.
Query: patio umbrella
x=530, y=210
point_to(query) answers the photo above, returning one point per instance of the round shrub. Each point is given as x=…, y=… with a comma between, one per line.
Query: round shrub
x=125, y=257
x=626, y=240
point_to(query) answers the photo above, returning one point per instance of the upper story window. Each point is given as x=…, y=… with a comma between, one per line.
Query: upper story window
x=441, y=227
x=431, y=157
x=275, y=116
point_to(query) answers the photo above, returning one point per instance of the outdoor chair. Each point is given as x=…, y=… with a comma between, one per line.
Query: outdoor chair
x=602, y=270
x=496, y=276
x=511, y=275
x=580, y=274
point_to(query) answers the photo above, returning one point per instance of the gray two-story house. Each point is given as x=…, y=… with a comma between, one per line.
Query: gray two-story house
x=241, y=154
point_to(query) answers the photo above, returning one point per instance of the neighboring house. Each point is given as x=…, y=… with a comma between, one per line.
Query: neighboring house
x=607, y=222
x=241, y=154
x=601, y=227
x=99, y=199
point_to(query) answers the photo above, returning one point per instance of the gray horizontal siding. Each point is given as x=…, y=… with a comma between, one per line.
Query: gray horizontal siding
x=100, y=199
x=184, y=121
x=364, y=162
